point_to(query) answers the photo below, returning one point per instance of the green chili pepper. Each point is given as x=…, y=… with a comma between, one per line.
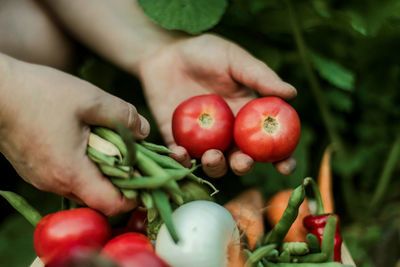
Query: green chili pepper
x=296, y=248
x=313, y=244
x=328, y=238
x=313, y=257
x=156, y=148
x=258, y=254
x=281, y=228
x=22, y=206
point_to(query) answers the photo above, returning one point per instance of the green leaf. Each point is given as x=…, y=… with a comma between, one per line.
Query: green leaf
x=190, y=16
x=333, y=72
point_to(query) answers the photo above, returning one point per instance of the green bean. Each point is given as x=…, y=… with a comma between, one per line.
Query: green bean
x=281, y=228
x=313, y=257
x=142, y=182
x=328, y=237
x=259, y=264
x=164, y=208
x=313, y=243
x=129, y=193
x=168, y=162
x=124, y=168
x=113, y=171
x=22, y=206
x=129, y=141
x=147, y=200
x=284, y=257
x=272, y=255
x=112, y=137
x=258, y=254
x=179, y=174
x=247, y=253
x=99, y=157
x=322, y=264
x=156, y=148
x=152, y=214
x=296, y=248
x=149, y=167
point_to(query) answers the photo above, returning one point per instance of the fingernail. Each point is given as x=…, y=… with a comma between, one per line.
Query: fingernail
x=144, y=126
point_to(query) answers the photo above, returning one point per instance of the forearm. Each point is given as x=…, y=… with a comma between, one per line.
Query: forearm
x=117, y=30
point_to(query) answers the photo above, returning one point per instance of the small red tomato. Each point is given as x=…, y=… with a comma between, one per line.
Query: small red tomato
x=127, y=242
x=132, y=249
x=139, y=258
x=267, y=129
x=59, y=235
x=138, y=221
x=201, y=123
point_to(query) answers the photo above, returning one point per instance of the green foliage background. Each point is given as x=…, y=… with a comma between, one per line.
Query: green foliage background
x=348, y=68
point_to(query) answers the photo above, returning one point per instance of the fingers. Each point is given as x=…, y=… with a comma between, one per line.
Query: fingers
x=286, y=166
x=256, y=75
x=214, y=164
x=98, y=193
x=241, y=164
x=181, y=155
x=107, y=109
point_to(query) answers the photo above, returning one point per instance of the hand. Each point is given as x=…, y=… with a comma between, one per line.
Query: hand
x=45, y=117
x=203, y=65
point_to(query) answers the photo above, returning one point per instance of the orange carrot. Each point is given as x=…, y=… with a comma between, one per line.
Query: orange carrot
x=275, y=208
x=325, y=181
x=246, y=210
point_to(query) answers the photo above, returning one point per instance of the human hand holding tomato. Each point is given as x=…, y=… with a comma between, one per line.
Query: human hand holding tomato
x=208, y=64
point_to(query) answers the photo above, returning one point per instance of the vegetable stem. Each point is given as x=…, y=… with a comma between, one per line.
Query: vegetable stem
x=319, y=96
x=386, y=174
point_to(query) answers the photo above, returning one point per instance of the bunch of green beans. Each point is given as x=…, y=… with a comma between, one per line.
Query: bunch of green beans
x=273, y=252
x=142, y=171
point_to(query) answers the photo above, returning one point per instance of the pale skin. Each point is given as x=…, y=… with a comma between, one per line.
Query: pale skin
x=45, y=114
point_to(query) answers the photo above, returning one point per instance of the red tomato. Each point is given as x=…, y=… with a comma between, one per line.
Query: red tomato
x=138, y=221
x=201, y=123
x=139, y=258
x=61, y=234
x=127, y=241
x=132, y=249
x=267, y=129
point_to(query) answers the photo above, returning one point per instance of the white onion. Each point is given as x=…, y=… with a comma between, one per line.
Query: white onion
x=207, y=232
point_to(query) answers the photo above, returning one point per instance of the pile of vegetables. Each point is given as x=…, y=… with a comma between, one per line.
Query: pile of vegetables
x=177, y=212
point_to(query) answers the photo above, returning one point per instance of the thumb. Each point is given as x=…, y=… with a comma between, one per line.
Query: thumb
x=106, y=109
x=256, y=75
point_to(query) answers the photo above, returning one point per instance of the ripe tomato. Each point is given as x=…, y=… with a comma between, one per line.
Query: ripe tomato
x=59, y=235
x=127, y=242
x=267, y=129
x=201, y=123
x=138, y=221
x=132, y=249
